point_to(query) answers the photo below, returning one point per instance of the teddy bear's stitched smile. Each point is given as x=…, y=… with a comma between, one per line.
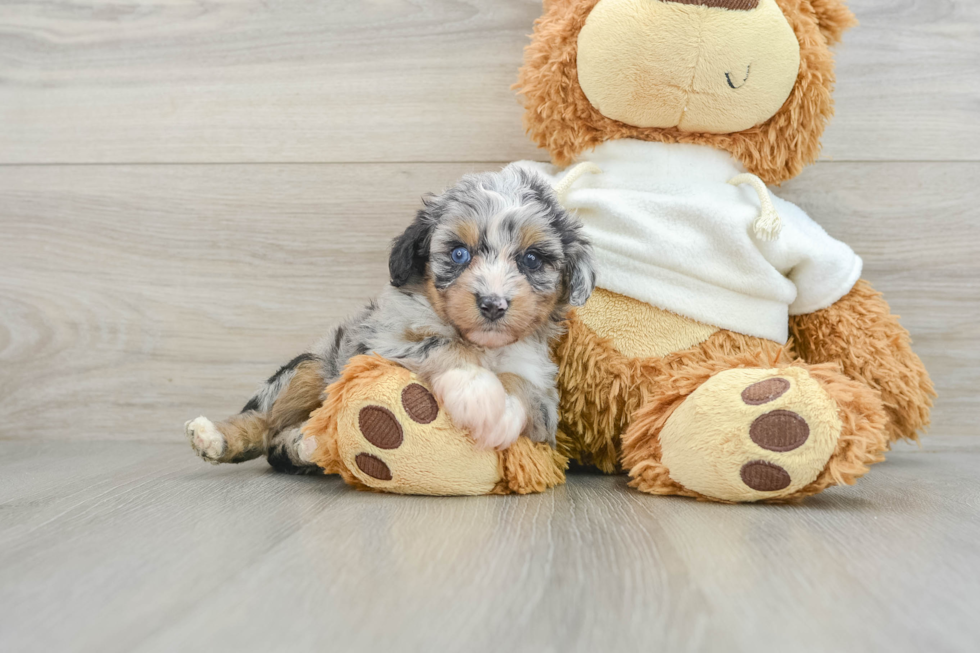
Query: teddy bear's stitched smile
x=728, y=77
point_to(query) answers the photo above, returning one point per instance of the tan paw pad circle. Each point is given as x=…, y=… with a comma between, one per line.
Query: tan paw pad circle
x=765, y=476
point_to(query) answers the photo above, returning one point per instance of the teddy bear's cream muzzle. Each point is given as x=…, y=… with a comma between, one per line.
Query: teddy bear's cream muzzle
x=660, y=63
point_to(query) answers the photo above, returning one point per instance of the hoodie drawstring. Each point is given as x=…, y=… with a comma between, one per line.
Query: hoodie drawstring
x=562, y=187
x=768, y=224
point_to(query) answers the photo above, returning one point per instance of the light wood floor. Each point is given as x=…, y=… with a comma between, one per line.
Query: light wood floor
x=192, y=192
x=135, y=546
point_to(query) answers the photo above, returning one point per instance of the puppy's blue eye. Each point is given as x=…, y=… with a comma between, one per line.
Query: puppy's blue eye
x=461, y=256
x=532, y=261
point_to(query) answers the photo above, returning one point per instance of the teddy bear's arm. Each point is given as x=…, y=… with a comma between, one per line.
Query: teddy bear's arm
x=860, y=333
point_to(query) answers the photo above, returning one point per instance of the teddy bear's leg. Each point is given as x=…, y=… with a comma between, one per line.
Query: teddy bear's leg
x=598, y=390
x=859, y=333
x=530, y=467
x=736, y=433
x=382, y=429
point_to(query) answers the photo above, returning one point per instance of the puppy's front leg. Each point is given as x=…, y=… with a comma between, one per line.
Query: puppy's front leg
x=477, y=401
x=540, y=406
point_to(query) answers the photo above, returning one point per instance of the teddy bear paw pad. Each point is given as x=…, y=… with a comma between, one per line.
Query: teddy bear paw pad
x=780, y=430
x=395, y=437
x=751, y=434
x=765, y=391
x=372, y=466
x=380, y=427
x=764, y=476
x=420, y=404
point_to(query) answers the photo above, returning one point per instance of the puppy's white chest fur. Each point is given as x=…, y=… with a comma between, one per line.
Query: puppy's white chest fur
x=527, y=359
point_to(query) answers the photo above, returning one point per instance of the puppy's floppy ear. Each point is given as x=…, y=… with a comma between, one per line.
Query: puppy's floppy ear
x=410, y=251
x=579, y=273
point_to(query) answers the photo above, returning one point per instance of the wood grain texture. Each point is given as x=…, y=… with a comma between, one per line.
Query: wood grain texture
x=397, y=80
x=142, y=547
x=133, y=298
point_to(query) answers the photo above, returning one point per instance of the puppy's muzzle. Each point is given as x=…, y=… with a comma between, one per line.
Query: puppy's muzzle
x=492, y=307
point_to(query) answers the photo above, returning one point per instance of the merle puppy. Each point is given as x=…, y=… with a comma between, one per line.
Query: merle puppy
x=480, y=283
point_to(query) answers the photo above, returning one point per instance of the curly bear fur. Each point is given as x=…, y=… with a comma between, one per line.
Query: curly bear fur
x=614, y=407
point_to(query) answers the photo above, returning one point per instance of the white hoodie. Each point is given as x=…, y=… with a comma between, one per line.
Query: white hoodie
x=669, y=230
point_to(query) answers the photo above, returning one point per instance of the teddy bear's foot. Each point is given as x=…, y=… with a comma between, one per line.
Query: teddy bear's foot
x=751, y=434
x=383, y=429
x=399, y=440
x=763, y=434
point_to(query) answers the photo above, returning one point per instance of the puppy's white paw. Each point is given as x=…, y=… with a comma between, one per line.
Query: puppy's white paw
x=206, y=439
x=306, y=447
x=476, y=401
x=508, y=428
x=473, y=397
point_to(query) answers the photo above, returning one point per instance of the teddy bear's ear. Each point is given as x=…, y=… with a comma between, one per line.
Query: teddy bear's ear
x=833, y=18
x=547, y=3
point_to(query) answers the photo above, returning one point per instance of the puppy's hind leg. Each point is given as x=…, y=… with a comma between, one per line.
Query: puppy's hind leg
x=287, y=451
x=290, y=453
x=284, y=401
x=235, y=440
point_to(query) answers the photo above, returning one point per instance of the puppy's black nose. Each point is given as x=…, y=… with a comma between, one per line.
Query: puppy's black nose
x=492, y=307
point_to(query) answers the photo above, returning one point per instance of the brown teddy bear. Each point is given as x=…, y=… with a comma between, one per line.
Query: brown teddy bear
x=731, y=351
